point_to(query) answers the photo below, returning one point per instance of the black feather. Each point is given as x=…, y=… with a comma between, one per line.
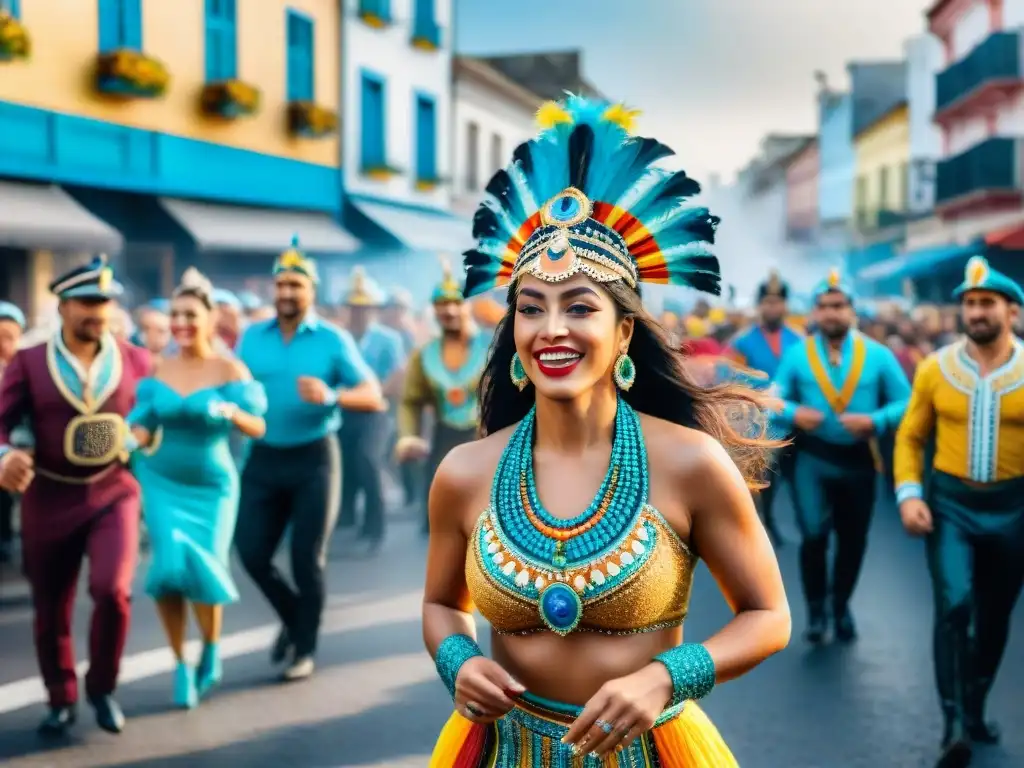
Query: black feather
x=475, y=258
x=581, y=145
x=704, y=274
x=651, y=151
x=679, y=185
x=485, y=223
x=500, y=186
x=474, y=279
x=703, y=228
x=522, y=155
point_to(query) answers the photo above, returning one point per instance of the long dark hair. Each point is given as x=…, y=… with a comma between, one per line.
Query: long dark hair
x=664, y=388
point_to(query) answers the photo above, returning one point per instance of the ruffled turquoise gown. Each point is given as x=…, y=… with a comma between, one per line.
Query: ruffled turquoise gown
x=190, y=487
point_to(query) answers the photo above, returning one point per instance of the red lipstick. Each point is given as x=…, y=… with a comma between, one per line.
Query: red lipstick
x=559, y=368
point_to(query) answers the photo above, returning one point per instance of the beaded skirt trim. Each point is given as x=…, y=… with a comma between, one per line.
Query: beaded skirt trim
x=530, y=737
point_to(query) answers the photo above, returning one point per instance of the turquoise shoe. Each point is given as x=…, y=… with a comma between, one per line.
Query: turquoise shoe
x=210, y=670
x=185, y=695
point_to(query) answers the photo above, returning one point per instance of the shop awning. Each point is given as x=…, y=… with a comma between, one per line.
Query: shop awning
x=258, y=230
x=45, y=217
x=419, y=229
x=1008, y=238
x=916, y=263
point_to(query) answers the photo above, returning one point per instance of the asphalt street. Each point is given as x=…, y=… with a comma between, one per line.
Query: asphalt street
x=376, y=701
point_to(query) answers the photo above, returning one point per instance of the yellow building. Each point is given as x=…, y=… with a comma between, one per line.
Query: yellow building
x=883, y=158
x=176, y=132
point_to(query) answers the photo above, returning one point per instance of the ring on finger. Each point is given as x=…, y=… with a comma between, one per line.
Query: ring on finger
x=605, y=726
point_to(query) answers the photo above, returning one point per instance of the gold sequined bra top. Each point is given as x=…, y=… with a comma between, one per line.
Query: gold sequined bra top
x=618, y=568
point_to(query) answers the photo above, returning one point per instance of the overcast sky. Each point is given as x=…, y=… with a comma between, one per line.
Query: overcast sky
x=711, y=76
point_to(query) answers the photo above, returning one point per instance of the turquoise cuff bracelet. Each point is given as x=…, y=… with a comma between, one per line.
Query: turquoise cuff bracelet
x=452, y=653
x=692, y=671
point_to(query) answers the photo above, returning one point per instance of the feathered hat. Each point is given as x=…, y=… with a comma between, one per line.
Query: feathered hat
x=584, y=197
x=294, y=260
x=773, y=286
x=363, y=291
x=834, y=282
x=448, y=289
x=979, y=276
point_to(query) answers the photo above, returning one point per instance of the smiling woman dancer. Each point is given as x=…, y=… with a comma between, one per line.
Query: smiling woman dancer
x=583, y=392
x=185, y=415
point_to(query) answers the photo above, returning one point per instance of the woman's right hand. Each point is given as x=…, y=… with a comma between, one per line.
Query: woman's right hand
x=484, y=691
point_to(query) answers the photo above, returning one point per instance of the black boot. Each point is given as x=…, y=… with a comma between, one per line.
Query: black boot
x=956, y=744
x=109, y=716
x=57, y=721
x=980, y=730
x=952, y=659
x=846, y=629
x=817, y=624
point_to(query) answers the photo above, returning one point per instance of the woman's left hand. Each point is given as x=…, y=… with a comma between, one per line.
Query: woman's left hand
x=621, y=710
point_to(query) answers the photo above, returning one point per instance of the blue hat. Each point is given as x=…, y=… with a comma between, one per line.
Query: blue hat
x=249, y=301
x=979, y=276
x=94, y=280
x=160, y=305
x=363, y=291
x=449, y=288
x=224, y=296
x=833, y=283
x=9, y=311
x=294, y=260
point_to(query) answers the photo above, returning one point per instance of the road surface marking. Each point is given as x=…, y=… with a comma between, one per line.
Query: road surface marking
x=159, y=661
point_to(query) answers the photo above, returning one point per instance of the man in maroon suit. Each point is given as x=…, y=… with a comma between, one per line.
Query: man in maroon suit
x=63, y=441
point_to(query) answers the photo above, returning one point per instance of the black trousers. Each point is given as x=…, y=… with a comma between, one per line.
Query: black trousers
x=833, y=491
x=976, y=561
x=297, y=486
x=365, y=438
x=784, y=464
x=6, y=519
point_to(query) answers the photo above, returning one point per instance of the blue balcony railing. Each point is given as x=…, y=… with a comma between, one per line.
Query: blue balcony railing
x=996, y=58
x=991, y=166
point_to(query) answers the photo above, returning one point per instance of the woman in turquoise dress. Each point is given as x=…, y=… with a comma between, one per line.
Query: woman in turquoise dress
x=184, y=418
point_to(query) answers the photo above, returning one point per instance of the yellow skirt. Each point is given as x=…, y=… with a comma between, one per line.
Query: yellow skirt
x=530, y=737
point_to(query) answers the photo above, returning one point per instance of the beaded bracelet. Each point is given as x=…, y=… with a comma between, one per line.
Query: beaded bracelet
x=692, y=671
x=452, y=653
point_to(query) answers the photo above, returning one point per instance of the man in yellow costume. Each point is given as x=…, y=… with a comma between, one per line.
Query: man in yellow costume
x=443, y=375
x=970, y=395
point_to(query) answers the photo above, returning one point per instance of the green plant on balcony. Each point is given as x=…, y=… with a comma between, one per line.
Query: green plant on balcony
x=229, y=99
x=311, y=121
x=381, y=171
x=14, y=39
x=374, y=13
x=426, y=35
x=131, y=74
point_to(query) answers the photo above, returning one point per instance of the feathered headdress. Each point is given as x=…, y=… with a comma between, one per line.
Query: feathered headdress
x=584, y=197
x=363, y=291
x=980, y=276
x=448, y=289
x=294, y=260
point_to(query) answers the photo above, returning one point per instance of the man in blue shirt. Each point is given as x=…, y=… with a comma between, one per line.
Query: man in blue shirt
x=761, y=348
x=366, y=436
x=309, y=368
x=840, y=390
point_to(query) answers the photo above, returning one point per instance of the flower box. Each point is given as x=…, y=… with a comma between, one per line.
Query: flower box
x=380, y=172
x=428, y=184
x=229, y=99
x=311, y=121
x=426, y=35
x=131, y=74
x=374, y=13
x=14, y=39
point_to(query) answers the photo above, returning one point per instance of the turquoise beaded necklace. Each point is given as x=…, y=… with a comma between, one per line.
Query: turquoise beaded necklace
x=613, y=512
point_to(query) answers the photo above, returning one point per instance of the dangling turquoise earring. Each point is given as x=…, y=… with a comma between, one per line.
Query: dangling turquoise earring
x=518, y=373
x=624, y=372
